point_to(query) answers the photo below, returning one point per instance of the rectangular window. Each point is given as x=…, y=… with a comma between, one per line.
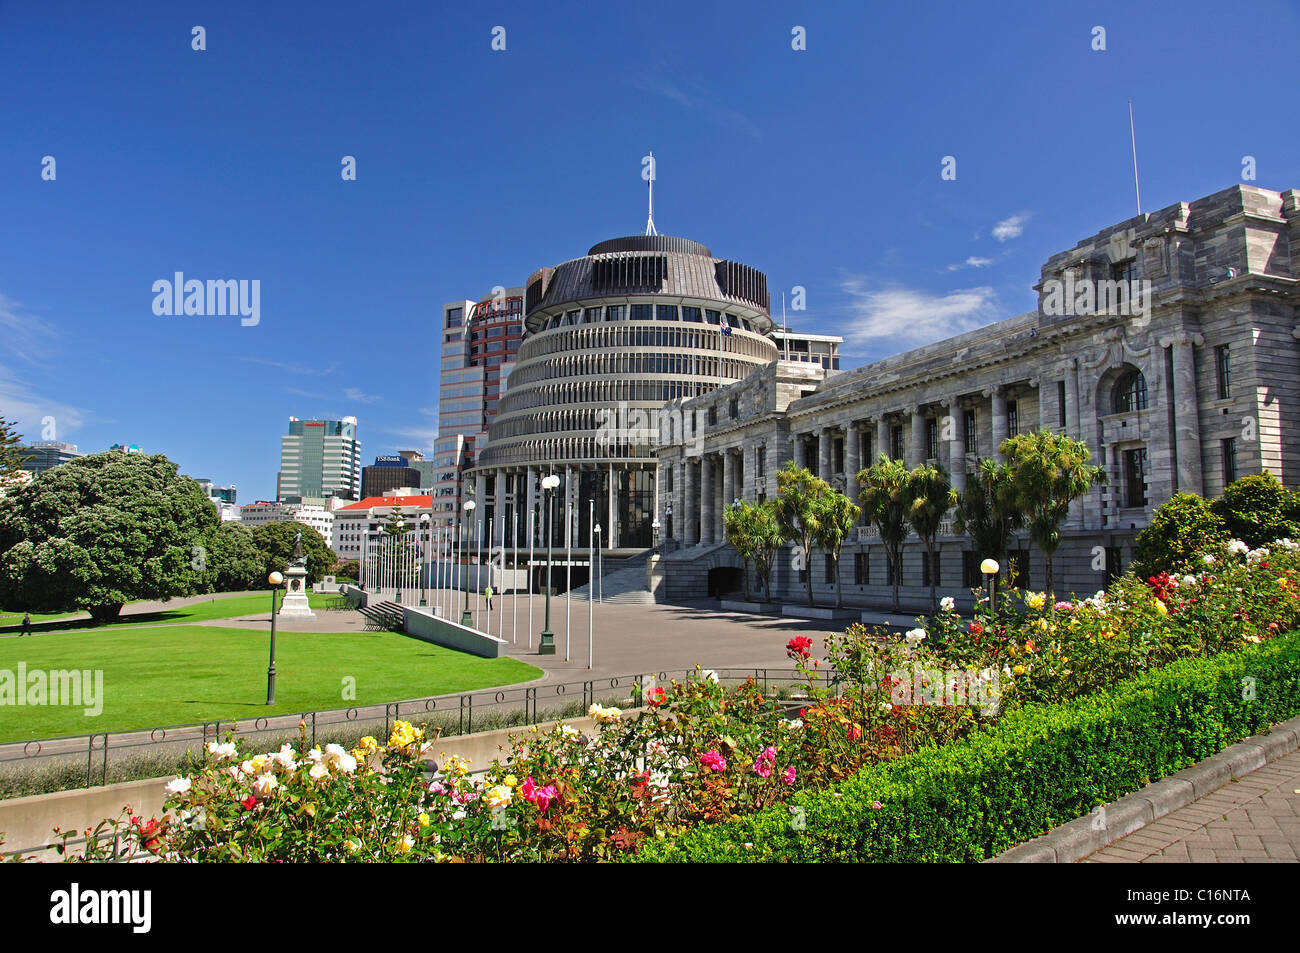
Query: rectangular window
x=1135, y=478
x=1060, y=403
x=454, y=317
x=932, y=439
x=1223, y=371
x=926, y=564
x=828, y=570
x=1114, y=563
x=642, y=312
x=861, y=569
x=761, y=463
x=1229, y=460
x=1018, y=560
x=590, y=316
x=666, y=312
x=838, y=452
x=896, y=442
x=712, y=317
x=1013, y=419
x=972, y=434
x=690, y=314
x=971, y=578
x=616, y=312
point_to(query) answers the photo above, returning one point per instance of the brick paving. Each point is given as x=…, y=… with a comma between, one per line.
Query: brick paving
x=1255, y=819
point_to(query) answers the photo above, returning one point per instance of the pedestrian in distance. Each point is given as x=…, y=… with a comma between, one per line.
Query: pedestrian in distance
x=27, y=625
x=488, y=592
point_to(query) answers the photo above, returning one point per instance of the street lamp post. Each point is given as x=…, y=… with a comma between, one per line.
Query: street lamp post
x=275, y=579
x=600, y=565
x=466, y=619
x=654, y=527
x=990, y=569
x=399, y=557
x=547, y=645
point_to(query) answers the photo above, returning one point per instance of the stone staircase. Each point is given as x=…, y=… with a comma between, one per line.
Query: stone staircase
x=624, y=585
x=686, y=570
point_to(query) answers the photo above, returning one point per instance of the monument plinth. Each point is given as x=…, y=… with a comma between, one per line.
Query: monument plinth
x=295, y=605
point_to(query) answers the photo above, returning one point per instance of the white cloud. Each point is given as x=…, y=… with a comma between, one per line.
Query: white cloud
x=30, y=411
x=699, y=100
x=291, y=368
x=354, y=393
x=910, y=317
x=971, y=262
x=1010, y=227
x=25, y=336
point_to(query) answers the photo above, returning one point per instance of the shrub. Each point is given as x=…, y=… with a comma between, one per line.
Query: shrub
x=1258, y=509
x=1041, y=766
x=1181, y=529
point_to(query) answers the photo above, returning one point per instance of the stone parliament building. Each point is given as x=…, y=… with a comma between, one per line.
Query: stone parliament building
x=1168, y=343
x=1185, y=389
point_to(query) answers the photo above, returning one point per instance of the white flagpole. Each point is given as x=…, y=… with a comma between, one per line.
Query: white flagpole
x=478, y=567
x=530, y=579
x=591, y=579
x=568, y=563
x=514, y=573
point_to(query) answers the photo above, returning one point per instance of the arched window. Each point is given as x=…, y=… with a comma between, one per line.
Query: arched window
x=1130, y=392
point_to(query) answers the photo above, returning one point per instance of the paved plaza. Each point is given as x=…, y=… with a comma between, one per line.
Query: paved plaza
x=1254, y=819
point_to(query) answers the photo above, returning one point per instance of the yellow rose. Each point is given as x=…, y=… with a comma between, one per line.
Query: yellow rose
x=423, y=820
x=1162, y=608
x=511, y=781
x=1018, y=670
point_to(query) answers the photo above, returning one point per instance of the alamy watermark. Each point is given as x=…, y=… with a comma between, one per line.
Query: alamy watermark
x=75, y=688
x=943, y=686
x=1083, y=296
x=213, y=297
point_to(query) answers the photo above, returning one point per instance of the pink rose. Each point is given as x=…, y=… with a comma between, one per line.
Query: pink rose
x=788, y=778
x=712, y=759
x=762, y=768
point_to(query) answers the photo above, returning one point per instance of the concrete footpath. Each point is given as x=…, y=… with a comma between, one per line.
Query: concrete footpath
x=1240, y=805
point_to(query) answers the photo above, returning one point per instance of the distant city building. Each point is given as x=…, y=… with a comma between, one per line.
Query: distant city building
x=222, y=497
x=126, y=448
x=823, y=349
x=358, y=526
x=320, y=459
x=46, y=454
x=387, y=473
x=479, y=343
x=319, y=518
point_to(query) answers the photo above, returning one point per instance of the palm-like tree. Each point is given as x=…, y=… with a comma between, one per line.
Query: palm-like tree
x=753, y=530
x=884, y=498
x=987, y=510
x=836, y=516
x=1050, y=471
x=929, y=496
x=797, y=512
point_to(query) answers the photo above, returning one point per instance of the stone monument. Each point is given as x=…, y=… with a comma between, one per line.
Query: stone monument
x=295, y=605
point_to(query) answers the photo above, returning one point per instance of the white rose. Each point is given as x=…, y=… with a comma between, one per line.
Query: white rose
x=224, y=751
x=178, y=786
x=318, y=771
x=947, y=603
x=265, y=784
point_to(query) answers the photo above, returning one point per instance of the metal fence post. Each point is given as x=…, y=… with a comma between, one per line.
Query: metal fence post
x=103, y=777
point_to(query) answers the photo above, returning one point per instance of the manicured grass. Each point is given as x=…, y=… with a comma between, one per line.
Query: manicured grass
x=16, y=618
x=185, y=673
x=228, y=608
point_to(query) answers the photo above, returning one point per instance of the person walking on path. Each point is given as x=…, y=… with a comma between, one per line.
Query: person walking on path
x=488, y=592
x=27, y=625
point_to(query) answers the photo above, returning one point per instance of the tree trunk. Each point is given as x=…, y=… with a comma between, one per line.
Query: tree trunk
x=934, y=565
x=105, y=613
x=746, y=572
x=839, y=592
x=897, y=572
x=807, y=571
x=1050, y=587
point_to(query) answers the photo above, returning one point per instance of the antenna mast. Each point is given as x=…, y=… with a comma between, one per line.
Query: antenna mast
x=1133, y=141
x=650, y=221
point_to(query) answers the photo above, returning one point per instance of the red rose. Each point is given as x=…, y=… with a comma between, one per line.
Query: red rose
x=249, y=803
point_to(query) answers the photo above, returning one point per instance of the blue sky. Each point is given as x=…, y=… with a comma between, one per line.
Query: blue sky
x=474, y=167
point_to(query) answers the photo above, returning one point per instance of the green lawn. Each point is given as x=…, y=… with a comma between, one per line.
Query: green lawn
x=185, y=673
x=259, y=604
x=15, y=619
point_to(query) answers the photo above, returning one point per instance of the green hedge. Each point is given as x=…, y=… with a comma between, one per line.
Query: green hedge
x=1040, y=766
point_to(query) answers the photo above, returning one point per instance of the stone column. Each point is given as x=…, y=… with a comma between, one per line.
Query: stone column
x=957, y=445
x=728, y=477
x=852, y=460
x=919, y=449
x=679, y=500
x=499, y=514
x=824, y=453
x=1072, y=399
x=882, y=437
x=690, y=512
x=611, y=528
x=999, y=421
x=706, y=499
x=1186, y=413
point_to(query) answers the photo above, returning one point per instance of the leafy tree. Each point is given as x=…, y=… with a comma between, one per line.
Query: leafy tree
x=1257, y=509
x=1181, y=530
x=987, y=511
x=738, y=528
x=102, y=530
x=886, y=500
x=346, y=569
x=1050, y=471
x=836, y=517
x=929, y=497
x=396, y=526
x=797, y=512
x=12, y=457
x=236, y=561
x=275, y=540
